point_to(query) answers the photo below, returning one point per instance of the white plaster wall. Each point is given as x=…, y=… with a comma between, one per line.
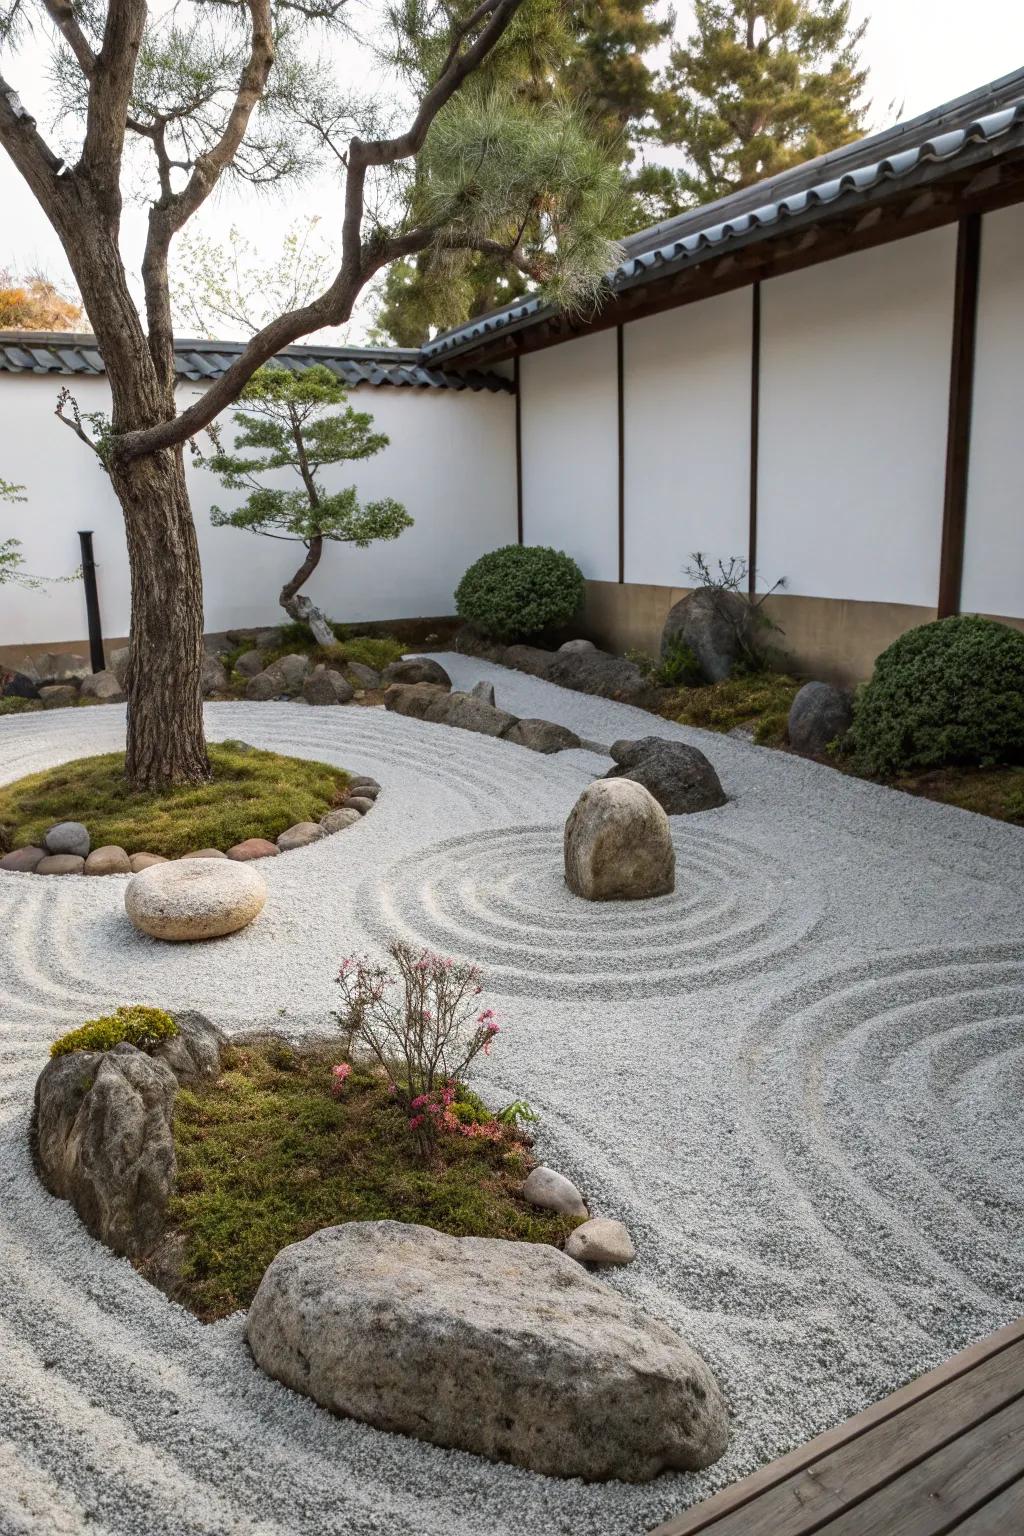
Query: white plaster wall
x=686, y=395
x=451, y=461
x=854, y=398
x=569, y=405
x=993, y=575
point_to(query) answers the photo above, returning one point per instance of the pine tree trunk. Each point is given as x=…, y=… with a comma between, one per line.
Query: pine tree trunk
x=166, y=744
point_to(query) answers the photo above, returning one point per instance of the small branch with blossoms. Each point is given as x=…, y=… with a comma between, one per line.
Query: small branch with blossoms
x=422, y=1024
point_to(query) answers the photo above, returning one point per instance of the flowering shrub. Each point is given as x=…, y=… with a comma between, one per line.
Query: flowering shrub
x=423, y=1027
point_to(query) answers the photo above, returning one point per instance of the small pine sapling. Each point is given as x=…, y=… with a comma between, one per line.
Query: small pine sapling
x=301, y=422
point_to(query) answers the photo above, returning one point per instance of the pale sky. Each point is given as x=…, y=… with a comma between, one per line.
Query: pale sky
x=920, y=53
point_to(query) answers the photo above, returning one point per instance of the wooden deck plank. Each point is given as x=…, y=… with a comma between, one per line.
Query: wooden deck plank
x=855, y=1469
x=1001, y=1516
x=710, y=1515
x=932, y=1498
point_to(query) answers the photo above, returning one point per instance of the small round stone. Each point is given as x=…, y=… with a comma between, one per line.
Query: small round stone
x=141, y=861
x=299, y=836
x=61, y=864
x=108, y=860
x=253, y=848
x=357, y=803
x=192, y=899
x=337, y=821
x=600, y=1241
x=552, y=1191
x=67, y=837
x=23, y=860
x=205, y=853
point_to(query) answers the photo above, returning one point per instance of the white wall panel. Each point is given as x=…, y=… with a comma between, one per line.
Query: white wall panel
x=569, y=402
x=687, y=437
x=854, y=398
x=451, y=461
x=993, y=576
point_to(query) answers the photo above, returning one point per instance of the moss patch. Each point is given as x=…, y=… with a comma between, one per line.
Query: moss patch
x=997, y=792
x=139, y=1026
x=760, y=700
x=251, y=794
x=267, y=1156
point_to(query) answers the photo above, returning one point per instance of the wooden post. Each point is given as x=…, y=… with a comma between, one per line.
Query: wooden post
x=755, y=433
x=961, y=399
x=622, y=452
x=92, y=603
x=519, y=452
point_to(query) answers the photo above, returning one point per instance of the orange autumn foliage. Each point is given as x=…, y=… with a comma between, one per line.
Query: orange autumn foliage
x=34, y=303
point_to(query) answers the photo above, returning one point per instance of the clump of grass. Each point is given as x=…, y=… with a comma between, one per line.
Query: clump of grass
x=760, y=700
x=267, y=1156
x=376, y=651
x=251, y=794
x=139, y=1026
x=19, y=706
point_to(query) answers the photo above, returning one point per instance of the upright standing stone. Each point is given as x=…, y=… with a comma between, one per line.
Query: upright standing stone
x=618, y=844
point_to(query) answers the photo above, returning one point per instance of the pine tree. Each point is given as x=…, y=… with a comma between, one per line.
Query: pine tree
x=600, y=66
x=760, y=86
x=288, y=419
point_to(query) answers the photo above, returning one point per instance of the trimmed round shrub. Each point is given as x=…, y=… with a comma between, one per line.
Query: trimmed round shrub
x=140, y=1026
x=520, y=590
x=947, y=693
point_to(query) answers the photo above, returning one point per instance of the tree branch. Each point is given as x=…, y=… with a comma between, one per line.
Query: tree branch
x=34, y=158
x=61, y=13
x=110, y=89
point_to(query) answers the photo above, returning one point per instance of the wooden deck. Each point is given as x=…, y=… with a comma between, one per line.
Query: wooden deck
x=944, y=1454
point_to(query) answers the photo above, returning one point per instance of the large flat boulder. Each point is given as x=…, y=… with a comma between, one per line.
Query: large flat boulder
x=509, y=1350
x=416, y=669
x=102, y=1134
x=428, y=701
x=618, y=844
x=679, y=776
x=610, y=677
x=543, y=736
x=194, y=898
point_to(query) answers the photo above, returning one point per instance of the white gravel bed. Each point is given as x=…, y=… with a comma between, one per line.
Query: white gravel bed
x=798, y=1081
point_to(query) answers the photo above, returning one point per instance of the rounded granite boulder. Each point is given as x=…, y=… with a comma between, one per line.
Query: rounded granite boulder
x=618, y=844
x=191, y=899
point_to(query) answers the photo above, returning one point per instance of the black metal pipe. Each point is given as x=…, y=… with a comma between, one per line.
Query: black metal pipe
x=92, y=602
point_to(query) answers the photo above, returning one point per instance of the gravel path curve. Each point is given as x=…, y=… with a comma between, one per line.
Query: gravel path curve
x=798, y=1080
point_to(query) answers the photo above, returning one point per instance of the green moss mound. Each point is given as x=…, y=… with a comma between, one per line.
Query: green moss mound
x=139, y=1026
x=520, y=590
x=251, y=794
x=947, y=693
x=758, y=700
x=267, y=1155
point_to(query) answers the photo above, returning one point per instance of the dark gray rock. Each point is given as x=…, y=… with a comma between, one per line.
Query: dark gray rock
x=58, y=695
x=264, y=639
x=509, y=1350
x=680, y=777
x=818, y=714
x=483, y=691
x=193, y=1054
x=717, y=626
x=416, y=669
x=250, y=663
x=361, y=675
x=542, y=736
x=527, y=658
x=324, y=686
x=60, y=667
x=17, y=685
x=102, y=1132
x=215, y=677
x=67, y=837
x=264, y=686
x=610, y=677
x=425, y=701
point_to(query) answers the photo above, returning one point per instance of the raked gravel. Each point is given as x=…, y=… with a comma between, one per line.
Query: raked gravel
x=798, y=1081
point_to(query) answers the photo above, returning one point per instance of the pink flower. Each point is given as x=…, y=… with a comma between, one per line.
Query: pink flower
x=415, y=1122
x=342, y=1070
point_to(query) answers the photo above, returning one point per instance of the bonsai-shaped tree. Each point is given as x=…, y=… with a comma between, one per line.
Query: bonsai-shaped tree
x=287, y=418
